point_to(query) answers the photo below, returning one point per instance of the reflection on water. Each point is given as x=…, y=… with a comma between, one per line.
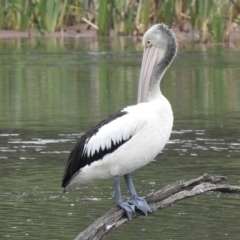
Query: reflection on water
x=53, y=90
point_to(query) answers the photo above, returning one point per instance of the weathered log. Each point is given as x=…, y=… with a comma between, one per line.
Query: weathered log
x=166, y=196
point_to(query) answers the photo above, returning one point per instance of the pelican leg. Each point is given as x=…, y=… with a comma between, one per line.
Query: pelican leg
x=140, y=203
x=128, y=208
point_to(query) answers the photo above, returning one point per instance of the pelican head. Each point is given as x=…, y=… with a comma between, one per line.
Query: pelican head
x=160, y=48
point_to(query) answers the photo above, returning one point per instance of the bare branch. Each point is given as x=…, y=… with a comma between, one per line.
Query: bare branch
x=174, y=192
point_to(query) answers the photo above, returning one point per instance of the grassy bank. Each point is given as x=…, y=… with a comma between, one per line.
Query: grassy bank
x=212, y=20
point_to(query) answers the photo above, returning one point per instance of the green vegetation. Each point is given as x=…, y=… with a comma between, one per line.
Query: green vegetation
x=208, y=20
x=41, y=15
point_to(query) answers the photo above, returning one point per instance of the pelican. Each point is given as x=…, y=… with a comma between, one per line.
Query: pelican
x=132, y=137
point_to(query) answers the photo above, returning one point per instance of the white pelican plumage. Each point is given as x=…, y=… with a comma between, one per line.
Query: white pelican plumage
x=131, y=138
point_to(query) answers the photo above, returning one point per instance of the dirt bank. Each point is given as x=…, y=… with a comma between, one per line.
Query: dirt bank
x=185, y=36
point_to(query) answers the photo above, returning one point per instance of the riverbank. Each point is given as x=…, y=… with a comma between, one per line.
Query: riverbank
x=82, y=31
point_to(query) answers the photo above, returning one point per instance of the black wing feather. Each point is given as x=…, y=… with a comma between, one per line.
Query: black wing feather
x=78, y=159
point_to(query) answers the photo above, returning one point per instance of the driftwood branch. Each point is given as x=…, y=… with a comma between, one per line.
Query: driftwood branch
x=115, y=217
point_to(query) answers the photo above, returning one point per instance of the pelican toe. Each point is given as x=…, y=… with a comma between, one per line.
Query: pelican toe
x=129, y=209
x=140, y=204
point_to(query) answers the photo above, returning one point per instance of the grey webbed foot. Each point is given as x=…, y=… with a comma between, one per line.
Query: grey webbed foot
x=140, y=204
x=128, y=208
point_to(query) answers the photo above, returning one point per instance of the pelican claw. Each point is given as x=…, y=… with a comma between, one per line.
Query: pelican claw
x=128, y=208
x=140, y=204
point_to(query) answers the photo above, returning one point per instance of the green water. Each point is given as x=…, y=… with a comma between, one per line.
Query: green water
x=53, y=90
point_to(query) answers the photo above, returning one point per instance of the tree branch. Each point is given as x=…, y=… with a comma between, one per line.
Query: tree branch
x=174, y=192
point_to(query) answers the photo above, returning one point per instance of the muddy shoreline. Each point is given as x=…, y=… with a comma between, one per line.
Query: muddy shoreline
x=81, y=32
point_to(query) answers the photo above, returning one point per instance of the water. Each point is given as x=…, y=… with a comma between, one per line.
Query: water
x=53, y=90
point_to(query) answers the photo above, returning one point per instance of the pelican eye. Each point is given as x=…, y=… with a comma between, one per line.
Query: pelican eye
x=149, y=42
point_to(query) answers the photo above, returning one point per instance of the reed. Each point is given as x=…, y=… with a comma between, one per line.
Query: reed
x=40, y=15
x=103, y=17
x=211, y=20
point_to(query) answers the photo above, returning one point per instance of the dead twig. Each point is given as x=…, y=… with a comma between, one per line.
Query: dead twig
x=177, y=191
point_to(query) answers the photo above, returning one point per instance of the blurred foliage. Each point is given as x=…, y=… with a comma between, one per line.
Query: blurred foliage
x=42, y=15
x=207, y=20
